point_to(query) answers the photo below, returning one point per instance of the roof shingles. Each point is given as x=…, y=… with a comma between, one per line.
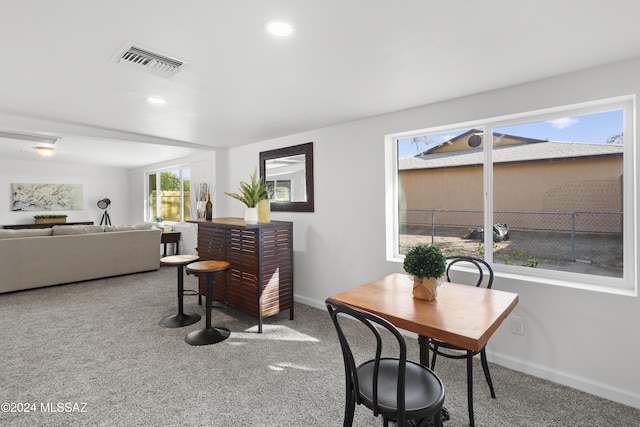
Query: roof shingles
x=511, y=153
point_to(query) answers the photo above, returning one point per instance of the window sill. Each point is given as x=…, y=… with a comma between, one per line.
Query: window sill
x=584, y=282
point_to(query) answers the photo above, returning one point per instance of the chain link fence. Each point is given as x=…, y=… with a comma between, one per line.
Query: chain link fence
x=589, y=242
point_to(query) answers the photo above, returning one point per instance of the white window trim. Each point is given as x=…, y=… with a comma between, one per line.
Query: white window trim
x=627, y=285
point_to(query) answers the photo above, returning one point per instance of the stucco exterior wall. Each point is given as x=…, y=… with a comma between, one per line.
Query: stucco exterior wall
x=579, y=184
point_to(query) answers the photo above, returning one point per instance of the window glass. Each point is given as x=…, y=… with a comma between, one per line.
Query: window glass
x=557, y=189
x=152, y=194
x=440, y=191
x=169, y=194
x=186, y=195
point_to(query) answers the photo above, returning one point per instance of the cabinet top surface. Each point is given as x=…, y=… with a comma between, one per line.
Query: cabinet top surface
x=236, y=222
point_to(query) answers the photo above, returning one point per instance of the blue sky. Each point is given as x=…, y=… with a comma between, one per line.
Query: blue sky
x=591, y=128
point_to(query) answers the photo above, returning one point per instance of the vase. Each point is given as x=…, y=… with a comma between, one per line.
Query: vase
x=426, y=288
x=251, y=216
x=200, y=208
x=264, y=211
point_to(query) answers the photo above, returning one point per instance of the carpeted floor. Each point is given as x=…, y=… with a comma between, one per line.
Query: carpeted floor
x=92, y=353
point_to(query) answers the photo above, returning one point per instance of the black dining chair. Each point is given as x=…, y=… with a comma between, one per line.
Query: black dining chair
x=484, y=279
x=398, y=389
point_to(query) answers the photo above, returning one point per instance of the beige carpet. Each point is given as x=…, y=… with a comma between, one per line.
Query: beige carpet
x=96, y=349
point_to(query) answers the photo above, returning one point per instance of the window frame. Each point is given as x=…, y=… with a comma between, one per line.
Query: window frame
x=149, y=215
x=627, y=285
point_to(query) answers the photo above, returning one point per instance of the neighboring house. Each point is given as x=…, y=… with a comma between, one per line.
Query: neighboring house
x=530, y=175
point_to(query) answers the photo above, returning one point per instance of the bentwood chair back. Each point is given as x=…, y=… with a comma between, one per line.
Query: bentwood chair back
x=397, y=389
x=484, y=278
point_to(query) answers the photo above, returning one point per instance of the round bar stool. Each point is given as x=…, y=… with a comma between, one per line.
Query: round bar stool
x=182, y=318
x=208, y=335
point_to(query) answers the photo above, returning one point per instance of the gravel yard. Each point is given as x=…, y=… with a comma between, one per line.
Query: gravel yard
x=599, y=254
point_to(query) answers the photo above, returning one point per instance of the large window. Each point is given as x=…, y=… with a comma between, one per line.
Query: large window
x=546, y=195
x=168, y=194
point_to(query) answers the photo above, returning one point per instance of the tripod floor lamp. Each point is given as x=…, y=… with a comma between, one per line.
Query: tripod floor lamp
x=104, y=204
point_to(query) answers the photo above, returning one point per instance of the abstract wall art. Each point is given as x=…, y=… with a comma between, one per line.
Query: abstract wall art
x=46, y=197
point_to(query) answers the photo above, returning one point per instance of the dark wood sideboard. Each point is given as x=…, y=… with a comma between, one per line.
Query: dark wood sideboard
x=48, y=225
x=260, y=279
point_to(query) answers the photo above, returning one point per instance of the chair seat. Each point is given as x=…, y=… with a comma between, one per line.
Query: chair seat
x=202, y=267
x=424, y=394
x=179, y=259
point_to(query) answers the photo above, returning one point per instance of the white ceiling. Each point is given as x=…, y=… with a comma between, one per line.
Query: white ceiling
x=346, y=60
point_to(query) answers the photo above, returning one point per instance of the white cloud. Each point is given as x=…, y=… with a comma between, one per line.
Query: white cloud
x=563, y=123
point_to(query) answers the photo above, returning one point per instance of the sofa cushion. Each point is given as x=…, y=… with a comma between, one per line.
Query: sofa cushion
x=60, y=230
x=27, y=232
x=143, y=226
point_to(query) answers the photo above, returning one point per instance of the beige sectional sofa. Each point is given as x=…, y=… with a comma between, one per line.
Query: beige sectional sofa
x=32, y=258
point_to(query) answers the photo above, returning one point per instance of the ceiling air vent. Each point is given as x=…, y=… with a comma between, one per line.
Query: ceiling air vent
x=149, y=61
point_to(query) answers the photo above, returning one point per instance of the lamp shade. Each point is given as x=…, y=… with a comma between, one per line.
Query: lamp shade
x=104, y=203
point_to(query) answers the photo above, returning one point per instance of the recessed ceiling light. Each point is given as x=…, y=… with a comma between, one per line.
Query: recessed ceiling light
x=157, y=101
x=279, y=28
x=45, y=151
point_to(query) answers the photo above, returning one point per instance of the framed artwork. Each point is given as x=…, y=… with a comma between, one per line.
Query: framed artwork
x=46, y=197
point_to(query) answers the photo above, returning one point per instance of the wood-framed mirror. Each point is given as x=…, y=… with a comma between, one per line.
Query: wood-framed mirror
x=288, y=174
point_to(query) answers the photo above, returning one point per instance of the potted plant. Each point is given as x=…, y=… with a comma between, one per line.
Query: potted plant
x=51, y=219
x=250, y=194
x=427, y=264
x=159, y=220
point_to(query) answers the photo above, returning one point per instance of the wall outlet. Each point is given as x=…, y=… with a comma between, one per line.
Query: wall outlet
x=517, y=325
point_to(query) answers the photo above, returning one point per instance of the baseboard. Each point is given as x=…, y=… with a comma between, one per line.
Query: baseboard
x=309, y=302
x=579, y=383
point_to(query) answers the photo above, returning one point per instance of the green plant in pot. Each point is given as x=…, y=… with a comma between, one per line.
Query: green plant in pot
x=250, y=194
x=426, y=263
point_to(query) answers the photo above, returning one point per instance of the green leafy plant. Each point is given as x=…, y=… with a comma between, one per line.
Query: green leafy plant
x=425, y=260
x=506, y=259
x=532, y=262
x=251, y=194
x=50, y=216
x=519, y=254
x=159, y=218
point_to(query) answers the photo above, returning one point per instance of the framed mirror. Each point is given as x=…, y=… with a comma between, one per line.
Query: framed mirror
x=288, y=174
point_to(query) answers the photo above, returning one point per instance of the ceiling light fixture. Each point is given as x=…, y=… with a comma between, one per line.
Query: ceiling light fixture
x=279, y=28
x=29, y=137
x=45, y=151
x=156, y=100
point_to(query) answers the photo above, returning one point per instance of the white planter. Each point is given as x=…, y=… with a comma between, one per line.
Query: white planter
x=251, y=216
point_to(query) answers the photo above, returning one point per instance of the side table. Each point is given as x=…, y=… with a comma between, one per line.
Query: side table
x=171, y=237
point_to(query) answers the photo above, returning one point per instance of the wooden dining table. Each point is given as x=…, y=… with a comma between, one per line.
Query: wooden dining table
x=462, y=315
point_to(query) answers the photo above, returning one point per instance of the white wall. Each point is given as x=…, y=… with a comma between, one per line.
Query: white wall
x=97, y=183
x=584, y=339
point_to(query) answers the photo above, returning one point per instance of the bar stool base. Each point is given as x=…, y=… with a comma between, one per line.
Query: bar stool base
x=207, y=336
x=180, y=320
